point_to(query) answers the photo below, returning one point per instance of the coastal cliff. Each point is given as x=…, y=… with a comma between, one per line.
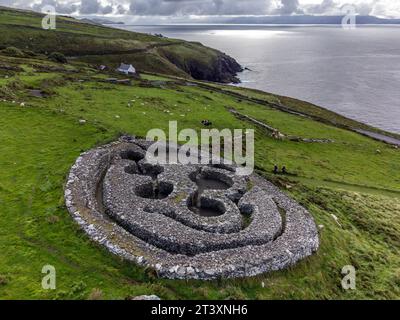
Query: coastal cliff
x=203, y=63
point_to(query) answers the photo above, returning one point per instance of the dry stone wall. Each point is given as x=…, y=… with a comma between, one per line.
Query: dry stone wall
x=186, y=221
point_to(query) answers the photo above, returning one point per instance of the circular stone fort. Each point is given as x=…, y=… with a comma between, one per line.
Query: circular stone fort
x=186, y=221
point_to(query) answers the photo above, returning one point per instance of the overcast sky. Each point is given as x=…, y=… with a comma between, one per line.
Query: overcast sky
x=134, y=8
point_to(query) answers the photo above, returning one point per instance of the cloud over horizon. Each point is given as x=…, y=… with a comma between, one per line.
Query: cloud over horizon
x=387, y=8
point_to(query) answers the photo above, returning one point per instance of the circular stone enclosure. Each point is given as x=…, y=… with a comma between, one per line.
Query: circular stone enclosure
x=186, y=221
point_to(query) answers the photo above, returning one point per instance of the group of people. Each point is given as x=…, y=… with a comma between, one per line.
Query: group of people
x=283, y=171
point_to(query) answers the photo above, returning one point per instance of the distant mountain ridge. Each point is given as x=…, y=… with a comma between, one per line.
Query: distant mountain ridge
x=309, y=19
x=100, y=21
x=267, y=20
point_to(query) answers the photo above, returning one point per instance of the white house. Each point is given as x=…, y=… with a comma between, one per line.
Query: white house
x=126, y=68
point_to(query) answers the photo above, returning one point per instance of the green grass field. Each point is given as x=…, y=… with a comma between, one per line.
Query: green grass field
x=355, y=178
x=41, y=139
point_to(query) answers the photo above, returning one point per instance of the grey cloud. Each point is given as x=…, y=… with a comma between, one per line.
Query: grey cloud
x=323, y=7
x=89, y=6
x=365, y=8
x=83, y=6
x=22, y=4
x=7, y=2
x=179, y=8
x=199, y=7
x=95, y=7
x=64, y=8
x=107, y=9
x=289, y=7
x=120, y=9
x=330, y=7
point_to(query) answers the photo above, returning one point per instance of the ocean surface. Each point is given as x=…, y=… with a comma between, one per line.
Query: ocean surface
x=353, y=72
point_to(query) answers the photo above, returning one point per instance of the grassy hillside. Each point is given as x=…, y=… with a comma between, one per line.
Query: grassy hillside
x=103, y=45
x=41, y=138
